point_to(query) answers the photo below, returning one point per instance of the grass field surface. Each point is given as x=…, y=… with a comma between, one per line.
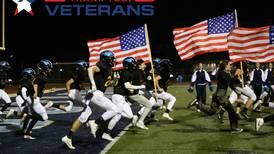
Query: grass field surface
x=193, y=132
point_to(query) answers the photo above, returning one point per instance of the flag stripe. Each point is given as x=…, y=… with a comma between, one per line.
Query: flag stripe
x=240, y=40
x=201, y=41
x=209, y=46
x=189, y=31
x=199, y=52
x=251, y=44
x=119, y=53
x=136, y=54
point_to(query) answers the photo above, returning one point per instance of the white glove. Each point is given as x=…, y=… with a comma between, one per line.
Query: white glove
x=142, y=87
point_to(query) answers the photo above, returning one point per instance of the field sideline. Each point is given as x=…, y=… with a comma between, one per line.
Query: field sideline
x=194, y=132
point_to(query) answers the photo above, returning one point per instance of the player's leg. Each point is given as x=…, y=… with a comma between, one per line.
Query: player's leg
x=111, y=111
x=145, y=102
x=40, y=109
x=233, y=118
x=170, y=100
x=203, y=90
x=118, y=100
x=76, y=126
x=4, y=96
x=102, y=101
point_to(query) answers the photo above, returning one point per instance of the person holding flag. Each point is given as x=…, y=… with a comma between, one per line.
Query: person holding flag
x=220, y=99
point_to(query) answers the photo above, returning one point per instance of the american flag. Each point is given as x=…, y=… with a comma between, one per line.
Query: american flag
x=207, y=36
x=131, y=44
x=252, y=44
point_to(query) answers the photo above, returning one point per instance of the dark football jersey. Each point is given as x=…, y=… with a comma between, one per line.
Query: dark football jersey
x=28, y=85
x=165, y=76
x=41, y=81
x=102, y=77
x=78, y=78
x=135, y=77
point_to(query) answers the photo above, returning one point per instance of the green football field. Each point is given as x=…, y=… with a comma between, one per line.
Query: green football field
x=193, y=132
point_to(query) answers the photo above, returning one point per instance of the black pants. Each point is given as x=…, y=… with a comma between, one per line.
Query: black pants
x=201, y=93
x=257, y=90
x=220, y=99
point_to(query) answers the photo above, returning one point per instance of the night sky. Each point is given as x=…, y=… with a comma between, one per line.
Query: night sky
x=63, y=39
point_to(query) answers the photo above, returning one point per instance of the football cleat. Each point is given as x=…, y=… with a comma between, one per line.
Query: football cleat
x=49, y=104
x=259, y=123
x=166, y=115
x=107, y=137
x=11, y=111
x=236, y=130
x=68, y=142
x=29, y=137
x=93, y=127
x=141, y=125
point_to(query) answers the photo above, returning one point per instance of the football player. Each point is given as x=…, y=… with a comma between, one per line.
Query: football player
x=4, y=68
x=162, y=78
x=73, y=86
x=100, y=76
x=241, y=94
x=219, y=99
x=25, y=93
x=129, y=84
x=38, y=110
x=145, y=76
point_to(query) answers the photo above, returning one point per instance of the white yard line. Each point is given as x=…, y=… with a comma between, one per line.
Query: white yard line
x=53, y=97
x=109, y=146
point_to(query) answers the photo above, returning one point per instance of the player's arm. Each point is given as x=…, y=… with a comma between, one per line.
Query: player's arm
x=50, y=90
x=193, y=78
x=158, y=77
x=251, y=76
x=129, y=86
x=68, y=83
x=35, y=87
x=91, y=71
x=24, y=93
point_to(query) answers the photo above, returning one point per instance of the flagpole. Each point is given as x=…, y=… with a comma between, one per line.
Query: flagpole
x=3, y=25
x=150, y=59
x=241, y=63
